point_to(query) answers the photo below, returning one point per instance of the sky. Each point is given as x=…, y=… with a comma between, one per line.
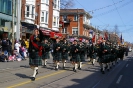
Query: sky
x=106, y=15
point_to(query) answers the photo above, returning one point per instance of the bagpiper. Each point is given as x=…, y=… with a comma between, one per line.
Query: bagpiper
x=35, y=52
x=82, y=51
x=45, y=51
x=74, y=53
x=65, y=50
x=92, y=54
x=57, y=56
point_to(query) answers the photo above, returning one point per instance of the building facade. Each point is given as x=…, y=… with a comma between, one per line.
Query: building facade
x=6, y=18
x=75, y=23
x=43, y=14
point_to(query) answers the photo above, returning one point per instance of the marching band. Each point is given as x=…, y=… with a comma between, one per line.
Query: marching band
x=105, y=53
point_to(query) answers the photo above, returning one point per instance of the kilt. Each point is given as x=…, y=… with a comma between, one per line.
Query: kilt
x=45, y=55
x=57, y=56
x=93, y=56
x=36, y=60
x=65, y=56
x=75, y=58
x=104, y=59
x=82, y=57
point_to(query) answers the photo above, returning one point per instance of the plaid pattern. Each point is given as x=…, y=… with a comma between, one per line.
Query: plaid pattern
x=65, y=56
x=45, y=55
x=75, y=58
x=37, y=60
x=82, y=57
x=57, y=56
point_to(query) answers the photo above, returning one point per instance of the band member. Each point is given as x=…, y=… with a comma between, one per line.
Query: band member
x=82, y=51
x=92, y=51
x=35, y=52
x=75, y=58
x=57, y=53
x=45, y=51
x=65, y=49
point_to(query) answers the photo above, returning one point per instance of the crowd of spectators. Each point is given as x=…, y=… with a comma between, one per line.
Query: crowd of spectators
x=17, y=53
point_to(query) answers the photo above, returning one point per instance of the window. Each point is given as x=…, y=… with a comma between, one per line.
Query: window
x=55, y=3
x=42, y=1
x=75, y=18
x=47, y=1
x=46, y=17
x=75, y=31
x=58, y=4
x=64, y=30
x=42, y=17
x=27, y=11
x=54, y=21
x=33, y=8
x=65, y=17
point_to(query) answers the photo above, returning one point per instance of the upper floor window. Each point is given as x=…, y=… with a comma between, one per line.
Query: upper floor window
x=65, y=17
x=46, y=17
x=75, y=17
x=45, y=1
x=54, y=21
x=27, y=11
x=32, y=13
x=42, y=17
x=55, y=3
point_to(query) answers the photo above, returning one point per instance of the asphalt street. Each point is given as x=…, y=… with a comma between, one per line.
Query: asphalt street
x=17, y=75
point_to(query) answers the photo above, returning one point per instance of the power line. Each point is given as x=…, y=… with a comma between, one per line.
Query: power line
x=104, y=13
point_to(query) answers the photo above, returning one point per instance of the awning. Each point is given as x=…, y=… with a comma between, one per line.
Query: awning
x=55, y=35
x=46, y=32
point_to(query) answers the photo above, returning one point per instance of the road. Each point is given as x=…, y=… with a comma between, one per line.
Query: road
x=17, y=75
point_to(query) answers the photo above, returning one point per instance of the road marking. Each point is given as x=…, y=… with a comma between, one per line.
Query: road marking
x=23, y=83
x=119, y=79
x=127, y=65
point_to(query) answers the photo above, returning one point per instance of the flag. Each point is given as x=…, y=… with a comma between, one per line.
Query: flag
x=93, y=39
x=121, y=39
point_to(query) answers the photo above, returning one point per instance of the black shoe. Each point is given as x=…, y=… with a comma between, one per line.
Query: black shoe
x=75, y=70
x=79, y=68
x=107, y=69
x=56, y=69
x=33, y=78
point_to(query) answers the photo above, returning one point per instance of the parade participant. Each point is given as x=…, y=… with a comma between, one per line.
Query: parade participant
x=102, y=52
x=35, y=52
x=92, y=51
x=45, y=51
x=82, y=51
x=65, y=49
x=75, y=58
x=57, y=53
x=87, y=49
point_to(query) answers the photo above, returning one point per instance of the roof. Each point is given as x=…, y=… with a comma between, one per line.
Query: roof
x=74, y=11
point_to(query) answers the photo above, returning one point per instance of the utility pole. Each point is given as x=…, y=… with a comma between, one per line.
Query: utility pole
x=13, y=24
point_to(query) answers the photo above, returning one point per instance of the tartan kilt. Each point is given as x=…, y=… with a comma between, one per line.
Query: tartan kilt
x=112, y=57
x=82, y=57
x=65, y=56
x=104, y=59
x=57, y=57
x=75, y=58
x=37, y=60
x=45, y=55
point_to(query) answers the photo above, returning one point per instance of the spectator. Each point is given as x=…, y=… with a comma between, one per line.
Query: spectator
x=17, y=45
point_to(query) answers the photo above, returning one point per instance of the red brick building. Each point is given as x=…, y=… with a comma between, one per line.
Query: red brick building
x=75, y=23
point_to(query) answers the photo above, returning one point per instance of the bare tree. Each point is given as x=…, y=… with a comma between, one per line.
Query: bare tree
x=66, y=4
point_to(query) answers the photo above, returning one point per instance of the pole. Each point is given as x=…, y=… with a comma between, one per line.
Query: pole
x=13, y=24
